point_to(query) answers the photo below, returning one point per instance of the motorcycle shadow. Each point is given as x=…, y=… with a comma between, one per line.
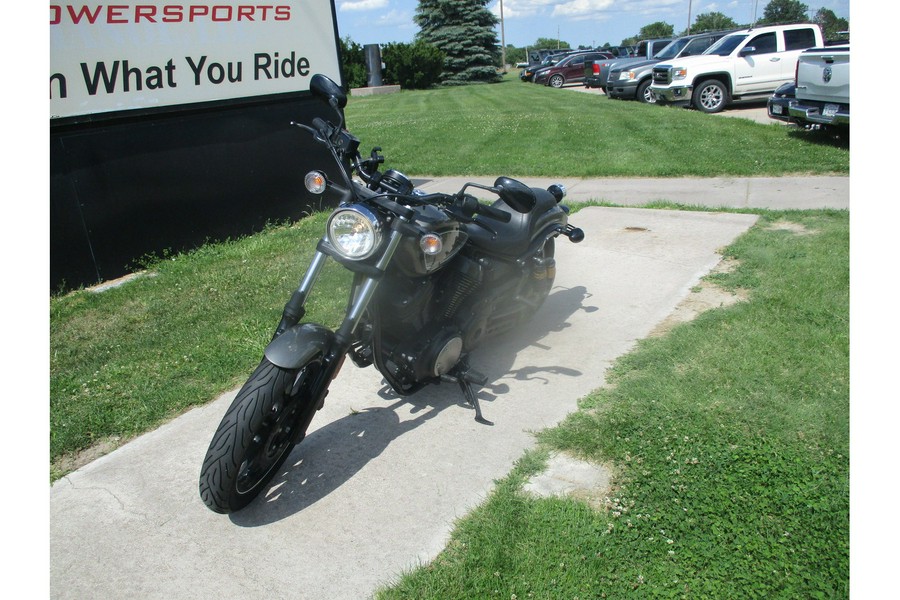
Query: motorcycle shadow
x=331, y=455
x=497, y=358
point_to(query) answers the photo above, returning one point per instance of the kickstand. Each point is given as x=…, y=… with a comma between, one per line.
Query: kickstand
x=465, y=378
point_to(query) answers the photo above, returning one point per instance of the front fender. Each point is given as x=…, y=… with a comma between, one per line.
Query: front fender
x=299, y=344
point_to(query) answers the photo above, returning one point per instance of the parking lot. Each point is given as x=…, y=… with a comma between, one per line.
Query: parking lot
x=755, y=111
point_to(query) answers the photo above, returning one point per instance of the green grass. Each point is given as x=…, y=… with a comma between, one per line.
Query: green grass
x=730, y=440
x=521, y=129
x=125, y=360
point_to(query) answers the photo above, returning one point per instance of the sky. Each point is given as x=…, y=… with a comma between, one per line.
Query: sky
x=578, y=22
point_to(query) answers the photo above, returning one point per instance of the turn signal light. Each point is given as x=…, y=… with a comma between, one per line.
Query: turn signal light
x=315, y=182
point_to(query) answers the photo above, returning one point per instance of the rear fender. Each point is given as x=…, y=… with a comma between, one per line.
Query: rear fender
x=299, y=344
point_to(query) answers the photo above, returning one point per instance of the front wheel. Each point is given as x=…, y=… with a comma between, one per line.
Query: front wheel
x=710, y=96
x=557, y=81
x=257, y=434
x=644, y=94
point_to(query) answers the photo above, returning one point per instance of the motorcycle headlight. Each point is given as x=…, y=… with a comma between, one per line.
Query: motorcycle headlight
x=354, y=231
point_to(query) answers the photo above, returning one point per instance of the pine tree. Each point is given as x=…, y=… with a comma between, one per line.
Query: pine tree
x=464, y=31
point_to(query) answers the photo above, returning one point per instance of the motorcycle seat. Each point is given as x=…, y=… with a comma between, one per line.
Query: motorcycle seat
x=513, y=238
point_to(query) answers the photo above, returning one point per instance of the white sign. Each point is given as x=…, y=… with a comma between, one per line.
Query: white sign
x=153, y=53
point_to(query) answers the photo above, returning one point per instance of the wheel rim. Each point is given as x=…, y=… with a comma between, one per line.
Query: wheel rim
x=556, y=81
x=273, y=438
x=648, y=96
x=711, y=97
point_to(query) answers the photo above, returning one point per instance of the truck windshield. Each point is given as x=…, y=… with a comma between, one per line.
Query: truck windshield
x=726, y=45
x=672, y=50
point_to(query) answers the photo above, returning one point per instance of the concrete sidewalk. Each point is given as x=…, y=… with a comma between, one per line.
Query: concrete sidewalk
x=777, y=193
x=378, y=483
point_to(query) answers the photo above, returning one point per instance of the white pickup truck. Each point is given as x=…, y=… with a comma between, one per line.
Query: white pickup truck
x=820, y=92
x=748, y=64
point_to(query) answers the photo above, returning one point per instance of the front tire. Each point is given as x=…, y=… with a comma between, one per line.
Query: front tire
x=644, y=94
x=557, y=81
x=710, y=96
x=257, y=434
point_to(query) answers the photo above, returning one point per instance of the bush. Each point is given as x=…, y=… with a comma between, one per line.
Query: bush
x=415, y=66
x=353, y=64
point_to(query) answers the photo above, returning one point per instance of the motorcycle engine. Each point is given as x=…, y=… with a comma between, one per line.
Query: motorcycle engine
x=430, y=354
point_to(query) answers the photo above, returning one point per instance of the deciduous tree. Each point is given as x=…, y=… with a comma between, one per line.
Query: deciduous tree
x=712, y=21
x=830, y=23
x=659, y=29
x=780, y=12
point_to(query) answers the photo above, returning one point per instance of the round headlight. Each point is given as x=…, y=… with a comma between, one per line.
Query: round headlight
x=354, y=231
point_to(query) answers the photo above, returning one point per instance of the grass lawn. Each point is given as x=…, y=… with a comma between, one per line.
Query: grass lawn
x=521, y=129
x=729, y=436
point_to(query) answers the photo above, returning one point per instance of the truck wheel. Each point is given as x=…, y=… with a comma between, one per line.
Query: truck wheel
x=644, y=94
x=710, y=96
x=557, y=81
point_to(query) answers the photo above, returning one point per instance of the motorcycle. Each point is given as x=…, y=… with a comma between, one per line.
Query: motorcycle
x=434, y=275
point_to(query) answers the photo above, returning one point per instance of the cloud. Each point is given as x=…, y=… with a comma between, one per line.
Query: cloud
x=581, y=8
x=395, y=18
x=361, y=5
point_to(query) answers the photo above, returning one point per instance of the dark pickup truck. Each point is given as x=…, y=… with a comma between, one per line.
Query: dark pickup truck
x=596, y=72
x=631, y=78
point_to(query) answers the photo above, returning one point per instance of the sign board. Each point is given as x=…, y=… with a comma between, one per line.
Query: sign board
x=150, y=54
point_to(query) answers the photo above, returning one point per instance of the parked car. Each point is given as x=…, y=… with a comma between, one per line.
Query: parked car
x=631, y=78
x=527, y=74
x=820, y=92
x=599, y=71
x=620, y=51
x=569, y=70
x=744, y=65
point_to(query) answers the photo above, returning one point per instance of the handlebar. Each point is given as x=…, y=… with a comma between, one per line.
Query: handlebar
x=343, y=143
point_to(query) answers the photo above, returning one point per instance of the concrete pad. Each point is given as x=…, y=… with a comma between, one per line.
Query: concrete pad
x=378, y=483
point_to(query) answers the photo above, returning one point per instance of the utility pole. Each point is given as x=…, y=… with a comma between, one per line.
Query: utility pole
x=502, y=40
x=689, y=18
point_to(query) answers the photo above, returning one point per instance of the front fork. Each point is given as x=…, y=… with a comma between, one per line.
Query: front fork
x=289, y=351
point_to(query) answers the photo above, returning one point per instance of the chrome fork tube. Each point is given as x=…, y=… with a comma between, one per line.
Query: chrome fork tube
x=366, y=291
x=294, y=310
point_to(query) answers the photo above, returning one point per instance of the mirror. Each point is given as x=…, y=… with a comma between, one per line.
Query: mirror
x=328, y=90
x=516, y=194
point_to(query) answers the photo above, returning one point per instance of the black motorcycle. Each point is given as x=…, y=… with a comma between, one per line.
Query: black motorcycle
x=434, y=276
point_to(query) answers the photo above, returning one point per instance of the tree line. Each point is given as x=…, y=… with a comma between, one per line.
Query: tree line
x=457, y=42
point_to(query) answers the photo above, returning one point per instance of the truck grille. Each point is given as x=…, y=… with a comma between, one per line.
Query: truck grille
x=662, y=75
